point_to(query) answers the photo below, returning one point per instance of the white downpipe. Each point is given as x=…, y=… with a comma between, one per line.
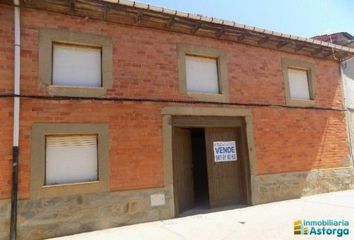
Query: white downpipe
x=16, y=118
x=16, y=123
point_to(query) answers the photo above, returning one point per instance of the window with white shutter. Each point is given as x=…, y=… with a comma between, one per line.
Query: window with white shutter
x=75, y=65
x=202, y=74
x=298, y=84
x=71, y=159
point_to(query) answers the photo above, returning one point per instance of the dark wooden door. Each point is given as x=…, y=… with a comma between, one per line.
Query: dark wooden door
x=183, y=170
x=225, y=178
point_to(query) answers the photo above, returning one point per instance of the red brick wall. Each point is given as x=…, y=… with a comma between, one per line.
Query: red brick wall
x=6, y=49
x=145, y=66
x=135, y=148
x=6, y=87
x=297, y=139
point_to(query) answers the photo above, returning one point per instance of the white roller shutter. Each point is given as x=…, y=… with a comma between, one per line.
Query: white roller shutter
x=202, y=74
x=76, y=66
x=71, y=159
x=298, y=84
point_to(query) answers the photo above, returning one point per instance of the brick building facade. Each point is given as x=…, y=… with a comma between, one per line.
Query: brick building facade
x=290, y=148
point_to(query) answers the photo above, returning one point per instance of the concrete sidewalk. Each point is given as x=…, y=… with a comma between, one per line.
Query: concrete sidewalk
x=266, y=221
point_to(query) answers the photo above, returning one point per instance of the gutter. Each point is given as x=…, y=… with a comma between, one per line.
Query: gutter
x=16, y=122
x=130, y=13
x=227, y=23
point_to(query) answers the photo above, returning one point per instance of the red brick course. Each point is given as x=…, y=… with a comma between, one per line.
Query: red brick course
x=145, y=66
x=6, y=107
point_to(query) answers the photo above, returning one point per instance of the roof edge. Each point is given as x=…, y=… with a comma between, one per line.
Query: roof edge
x=207, y=19
x=144, y=15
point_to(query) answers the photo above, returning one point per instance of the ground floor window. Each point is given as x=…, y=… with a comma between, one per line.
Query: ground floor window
x=68, y=159
x=71, y=159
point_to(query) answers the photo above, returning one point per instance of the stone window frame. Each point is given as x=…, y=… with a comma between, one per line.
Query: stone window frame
x=47, y=37
x=184, y=50
x=310, y=68
x=37, y=174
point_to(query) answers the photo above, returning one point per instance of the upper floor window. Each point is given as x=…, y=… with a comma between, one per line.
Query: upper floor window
x=203, y=72
x=300, y=82
x=74, y=63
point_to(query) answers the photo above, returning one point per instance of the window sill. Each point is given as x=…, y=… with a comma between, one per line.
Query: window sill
x=301, y=103
x=72, y=91
x=209, y=97
x=49, y=191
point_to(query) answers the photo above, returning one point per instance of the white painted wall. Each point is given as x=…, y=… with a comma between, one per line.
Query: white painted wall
x=348, y=77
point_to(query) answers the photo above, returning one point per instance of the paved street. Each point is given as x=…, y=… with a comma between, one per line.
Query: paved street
x=266, y=221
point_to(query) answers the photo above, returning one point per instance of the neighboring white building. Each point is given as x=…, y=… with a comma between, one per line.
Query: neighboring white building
x=345, y=39
x=348, y=80
x=348, y=76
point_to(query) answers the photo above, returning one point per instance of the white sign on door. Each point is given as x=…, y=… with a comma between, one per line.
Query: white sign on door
x=225, y=151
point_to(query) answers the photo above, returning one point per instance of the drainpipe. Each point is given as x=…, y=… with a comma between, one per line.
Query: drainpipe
x=16, y=121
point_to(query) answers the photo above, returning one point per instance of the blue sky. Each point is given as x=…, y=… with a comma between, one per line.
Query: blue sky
x=305, y=18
